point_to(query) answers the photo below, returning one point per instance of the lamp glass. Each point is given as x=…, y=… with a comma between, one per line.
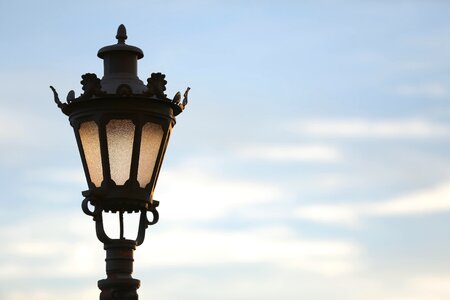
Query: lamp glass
x=91, y=148
x=152, y=135
x=120, y=137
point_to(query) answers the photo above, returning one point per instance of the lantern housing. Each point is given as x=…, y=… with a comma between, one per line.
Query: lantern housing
x=122, y=128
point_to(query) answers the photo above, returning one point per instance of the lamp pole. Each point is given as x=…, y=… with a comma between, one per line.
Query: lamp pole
x=122, y=127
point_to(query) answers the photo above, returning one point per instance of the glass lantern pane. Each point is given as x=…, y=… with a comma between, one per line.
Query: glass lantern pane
x=91, y=148
x=151, y=139
x=120, y=137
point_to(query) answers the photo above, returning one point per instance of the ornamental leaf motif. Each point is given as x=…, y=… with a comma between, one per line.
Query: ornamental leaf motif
x=91, y=85
x=156, y=85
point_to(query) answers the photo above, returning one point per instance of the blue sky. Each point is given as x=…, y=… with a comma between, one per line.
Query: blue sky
x=311, y=163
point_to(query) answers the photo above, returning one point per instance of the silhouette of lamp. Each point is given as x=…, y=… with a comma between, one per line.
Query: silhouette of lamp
x=122, y=128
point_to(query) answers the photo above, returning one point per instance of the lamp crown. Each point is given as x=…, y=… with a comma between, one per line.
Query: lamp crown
x=120, y=79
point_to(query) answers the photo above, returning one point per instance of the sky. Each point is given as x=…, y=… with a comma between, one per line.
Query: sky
x=312, y=161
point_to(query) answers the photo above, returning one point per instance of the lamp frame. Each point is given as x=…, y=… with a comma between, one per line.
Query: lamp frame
x=130, y=196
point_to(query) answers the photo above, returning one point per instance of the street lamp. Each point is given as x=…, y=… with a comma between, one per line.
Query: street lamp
x=122, y=128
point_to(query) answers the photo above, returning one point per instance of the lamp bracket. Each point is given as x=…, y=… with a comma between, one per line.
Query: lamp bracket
x=97, y=214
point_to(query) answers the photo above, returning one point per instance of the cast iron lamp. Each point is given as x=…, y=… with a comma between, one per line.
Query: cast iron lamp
x=122, y=128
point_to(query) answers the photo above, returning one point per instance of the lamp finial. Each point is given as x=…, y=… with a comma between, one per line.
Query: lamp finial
x=121, y=34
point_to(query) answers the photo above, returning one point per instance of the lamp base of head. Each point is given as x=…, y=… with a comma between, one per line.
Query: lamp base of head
x=119, y=199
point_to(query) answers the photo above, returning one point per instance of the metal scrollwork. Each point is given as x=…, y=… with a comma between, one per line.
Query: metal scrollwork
x=155, y=216
x=58, y=102
x=97, y=215
x=144, y=222
x=87, y=211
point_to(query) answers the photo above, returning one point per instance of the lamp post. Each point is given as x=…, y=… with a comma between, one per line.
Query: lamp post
x=122, y=128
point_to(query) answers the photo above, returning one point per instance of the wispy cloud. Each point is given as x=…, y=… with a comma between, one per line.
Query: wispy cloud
x=420, y=287
x=270, y=246
x=199, y=195
x=364, y=128
x=48, y=241
x=292, y=153
x=425, y=90
x=56, y=175
x=178, y=246
x=53, y=294
x=341, y=214
x=431, y=286
x=433, y=200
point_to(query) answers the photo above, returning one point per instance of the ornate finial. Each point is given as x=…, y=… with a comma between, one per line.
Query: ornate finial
x=121, y=34
x=185, y=98
x=177, y=98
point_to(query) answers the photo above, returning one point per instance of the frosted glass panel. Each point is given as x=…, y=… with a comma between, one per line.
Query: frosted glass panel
x=91, y=148
x=120, y=136
x=152, y=135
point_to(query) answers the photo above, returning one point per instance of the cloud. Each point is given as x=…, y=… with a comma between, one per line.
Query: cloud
x=363, y=128
x=188, y=193
x=182, y=190
x=25, y=135
x=55, y=293
x=429, y=201
x=290, y=153
x=268, y=246
x=425, y=90
x=57, y=255
x=431, y=286
x=56, y=175
x=15, y=127
x=49, y=241
x=24, y=128
x=421, y=287
x=342, y=214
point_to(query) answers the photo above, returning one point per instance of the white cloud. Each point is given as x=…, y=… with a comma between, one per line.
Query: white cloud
x=23, y=128
x=271, y=246
x=50, y=240
x=56, y=175
x=347, y=215
x=433, y=200
x=417, y=65
x=25, y=136
x=426, y=90
x=421, y=287
x=190, y=194
x=289, y=153
x=428, y=201
x=55, y=293
x=431, y=286
x=67, y=248
x=363, y=128
x=183, y=190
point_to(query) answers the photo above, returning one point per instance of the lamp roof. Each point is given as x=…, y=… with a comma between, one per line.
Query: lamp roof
x=120, y=46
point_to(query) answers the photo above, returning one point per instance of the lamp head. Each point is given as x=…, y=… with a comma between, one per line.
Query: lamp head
x=122, y=128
